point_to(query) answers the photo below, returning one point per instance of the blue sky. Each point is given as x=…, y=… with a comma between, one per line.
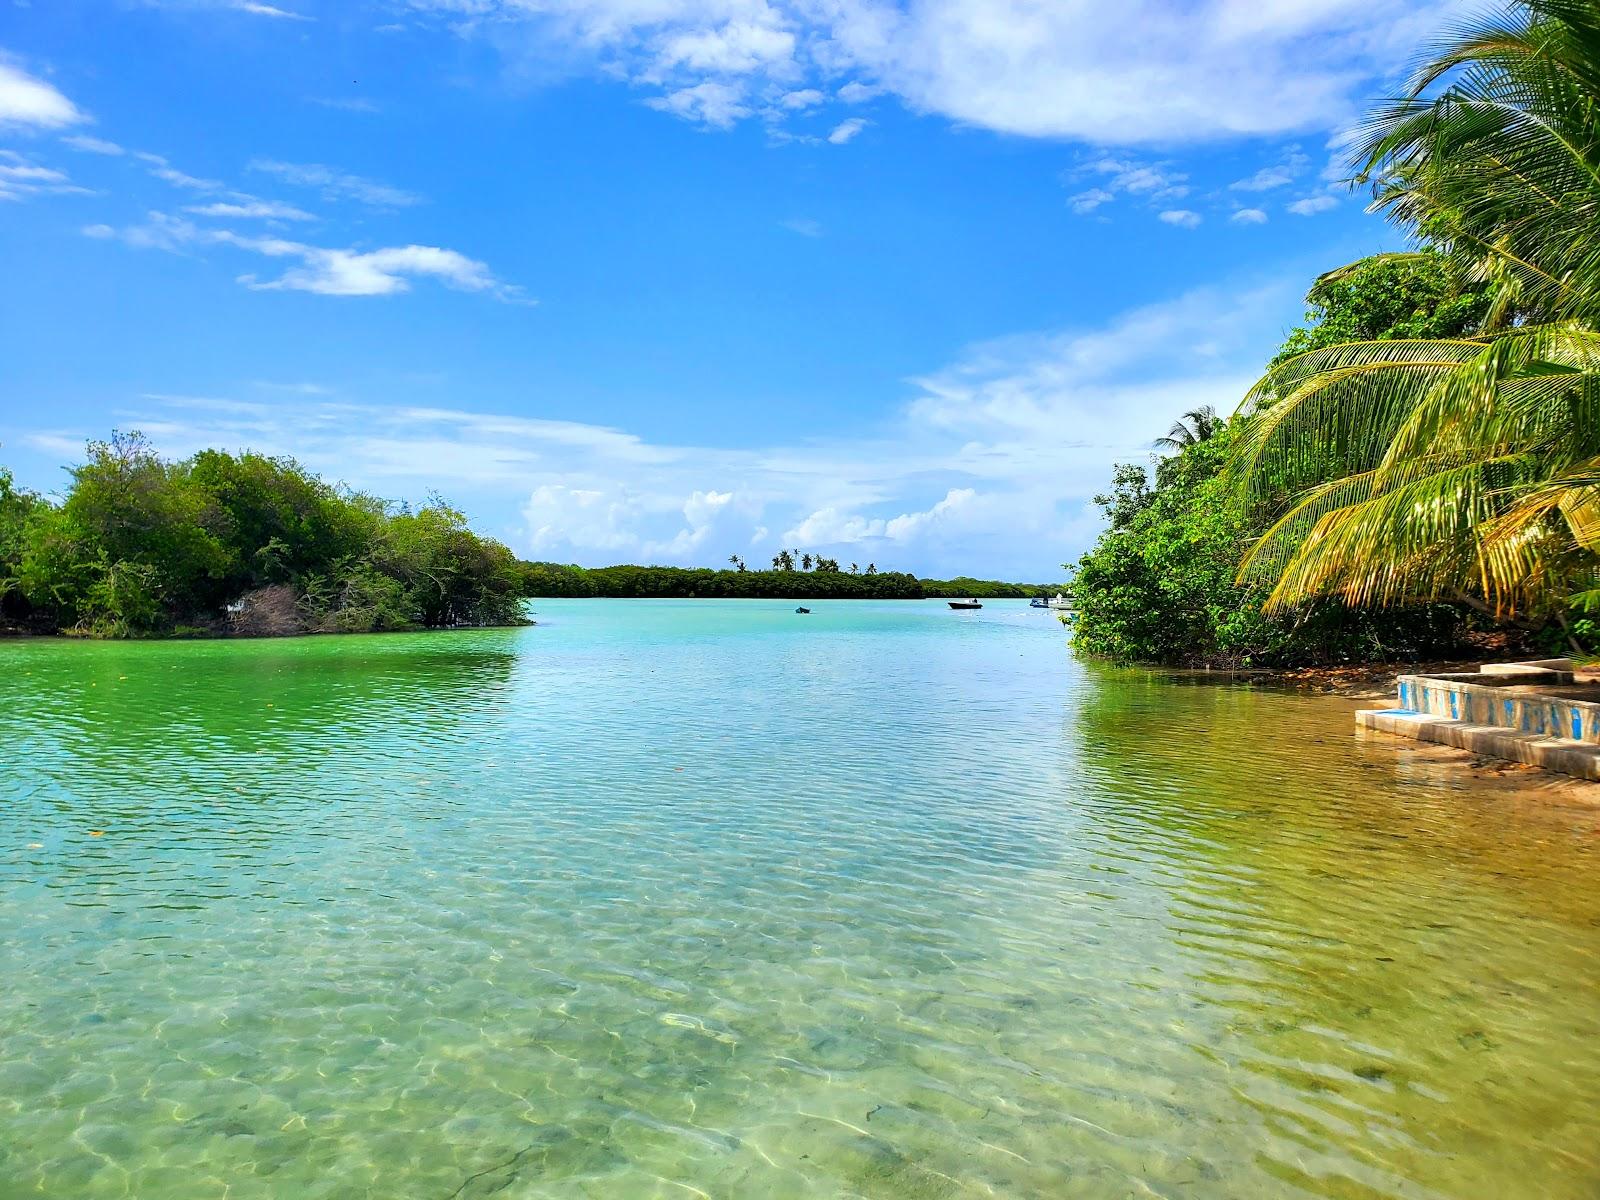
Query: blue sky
x=669, y=280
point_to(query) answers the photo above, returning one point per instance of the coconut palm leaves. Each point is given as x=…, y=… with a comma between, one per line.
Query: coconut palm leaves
x=1467, y=467
x=1502, y=164
x=1429, y=469
x=1195, y=426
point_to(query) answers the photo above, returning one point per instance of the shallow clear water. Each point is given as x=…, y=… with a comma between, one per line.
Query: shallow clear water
x=710, y=899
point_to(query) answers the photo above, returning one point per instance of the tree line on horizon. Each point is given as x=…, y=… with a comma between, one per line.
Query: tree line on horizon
x=820, y=580
x=245, y=543
x=1420, y=461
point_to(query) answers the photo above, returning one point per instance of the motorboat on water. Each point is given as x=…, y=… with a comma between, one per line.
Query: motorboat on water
x=802, y=610
x=965, y=604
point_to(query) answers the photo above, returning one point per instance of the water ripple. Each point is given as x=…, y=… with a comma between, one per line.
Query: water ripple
x=678, y=899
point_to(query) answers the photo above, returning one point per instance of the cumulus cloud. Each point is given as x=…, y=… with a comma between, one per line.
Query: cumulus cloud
x=28, y=102
x=1206, y=70
x=802, y=99
x=1249, y=216
x=988, y=468
x=718, y=105
x=1182, y=217
x=1312, y=205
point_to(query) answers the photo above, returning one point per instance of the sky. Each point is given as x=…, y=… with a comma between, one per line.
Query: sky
x=897, y=281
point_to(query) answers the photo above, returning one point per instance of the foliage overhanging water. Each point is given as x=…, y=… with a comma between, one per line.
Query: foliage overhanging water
x=708, y=898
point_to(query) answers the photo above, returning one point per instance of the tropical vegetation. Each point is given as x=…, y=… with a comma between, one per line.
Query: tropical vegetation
x=1465, y=466
x=219, y=542
x=1432, y=435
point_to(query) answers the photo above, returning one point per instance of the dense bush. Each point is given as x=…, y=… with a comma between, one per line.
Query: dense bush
x=1159, y=586
x=987, y=589
x=140, y=545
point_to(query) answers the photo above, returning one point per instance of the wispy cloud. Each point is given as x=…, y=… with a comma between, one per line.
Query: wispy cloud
x=804, y=226
x=267, y=210
x=1182, y=217
x=992, y=461
x=846, y=130
x=326, y=271
x=93, y=145
x=22, y=179
x=160, y=168
x=335, y=184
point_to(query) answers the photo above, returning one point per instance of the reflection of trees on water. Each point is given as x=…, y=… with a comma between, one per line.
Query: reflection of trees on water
x=1368, y=949
x=250, y=743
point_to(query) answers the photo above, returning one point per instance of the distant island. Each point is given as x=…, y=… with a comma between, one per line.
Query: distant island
x=795, y=576
x=246, y=544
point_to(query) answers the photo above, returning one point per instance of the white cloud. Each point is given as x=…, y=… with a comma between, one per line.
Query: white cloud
x=830, y=527
x=159, y=167
x=1249, y=216
x=255, y=8
x=1312, y=205
x=846, y=129
x=804, y=226
x=28, y=102
x=22, y=179
x=738, y=47
x=267, y=210
x=1087, y=202
x=590, y=518
x=1151, y=183
x=92, y=145
x=802, y=99
x=327, y=271
x=908, y=526
x=336, y=184
x=382, y=272
x=717, y=105
x=267, y=10
x=1157, y=180
x=99, y=231
x=988, y=469
x=1181, y=217
x=1206, y=70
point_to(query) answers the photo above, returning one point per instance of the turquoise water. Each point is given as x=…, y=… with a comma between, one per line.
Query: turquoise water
x=688, y=899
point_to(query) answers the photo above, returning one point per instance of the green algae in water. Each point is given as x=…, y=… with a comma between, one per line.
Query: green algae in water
x=678, y=898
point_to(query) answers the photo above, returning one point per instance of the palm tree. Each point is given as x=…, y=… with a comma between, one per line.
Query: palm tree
x=1470, y=467
x=1196, y=426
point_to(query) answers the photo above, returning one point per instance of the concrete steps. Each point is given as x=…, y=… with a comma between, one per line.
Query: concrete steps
x=1492, y=741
